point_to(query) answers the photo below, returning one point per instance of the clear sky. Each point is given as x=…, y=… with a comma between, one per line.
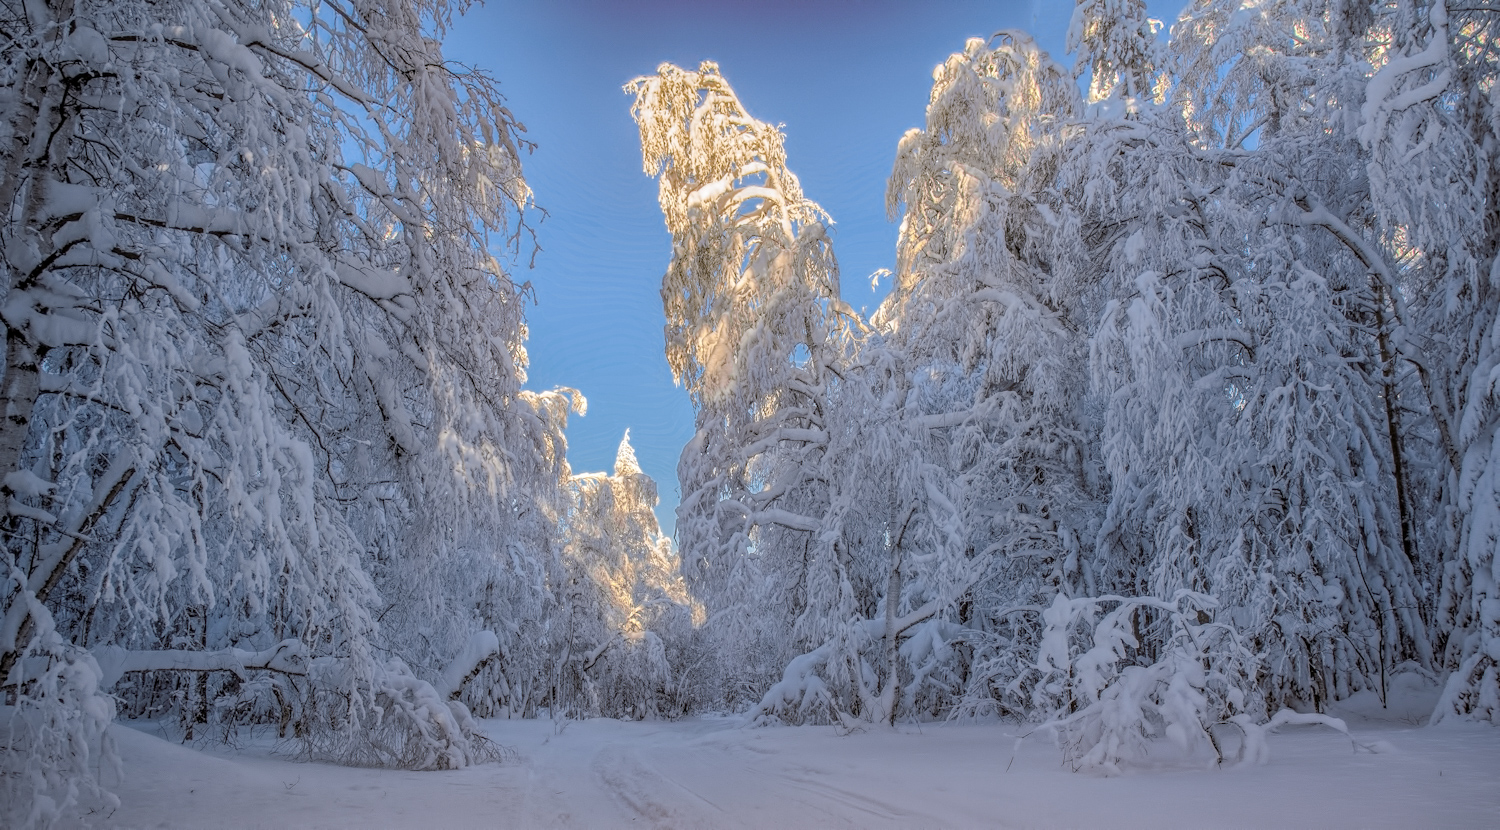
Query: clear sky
x=845, y=78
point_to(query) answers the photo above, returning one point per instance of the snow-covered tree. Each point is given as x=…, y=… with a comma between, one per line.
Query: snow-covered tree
x=1255, y=433
x=753, y=323
x=1202, y=356
x=1242, y=71
x=253, y=326
x=624, y=599
x=1114, y=43
x=991, y=326
x=1264, y=435
x=1431, y=130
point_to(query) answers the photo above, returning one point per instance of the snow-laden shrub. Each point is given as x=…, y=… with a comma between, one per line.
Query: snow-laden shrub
x=52, y=739
x=389, y=718
x=837, y=682
x=1110, y=686
x=934, y=654
x=800, y=696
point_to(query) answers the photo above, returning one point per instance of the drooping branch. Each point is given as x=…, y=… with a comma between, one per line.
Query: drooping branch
x=289, y=657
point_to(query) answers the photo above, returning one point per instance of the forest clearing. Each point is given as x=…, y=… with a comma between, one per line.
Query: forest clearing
x=711, y=773
x=1171, y=443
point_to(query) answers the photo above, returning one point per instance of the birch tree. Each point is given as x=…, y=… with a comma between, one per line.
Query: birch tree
x=753, y=321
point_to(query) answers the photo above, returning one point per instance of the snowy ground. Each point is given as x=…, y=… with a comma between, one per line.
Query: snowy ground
x=711, y=773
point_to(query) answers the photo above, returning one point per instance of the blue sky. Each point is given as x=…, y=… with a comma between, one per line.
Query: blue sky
x=845, y=78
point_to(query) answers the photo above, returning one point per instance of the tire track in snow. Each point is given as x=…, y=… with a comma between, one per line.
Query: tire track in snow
x=833, y=798
x=649, y=793
x=563, y=788
x=686, y=778
x=742, y=787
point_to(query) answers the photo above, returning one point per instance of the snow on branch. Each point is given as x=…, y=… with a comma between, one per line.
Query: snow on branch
x=481, y=647
x=287, y=657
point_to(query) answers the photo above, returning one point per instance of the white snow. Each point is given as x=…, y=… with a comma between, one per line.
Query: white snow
x=711, y=772
x=482, y=646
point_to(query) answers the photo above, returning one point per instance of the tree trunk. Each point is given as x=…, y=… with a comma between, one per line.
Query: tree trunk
x=889, y=694
x=18, y=394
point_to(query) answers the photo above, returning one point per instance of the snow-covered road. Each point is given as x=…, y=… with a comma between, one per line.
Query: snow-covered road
x=707, y=773
x=710, y=773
